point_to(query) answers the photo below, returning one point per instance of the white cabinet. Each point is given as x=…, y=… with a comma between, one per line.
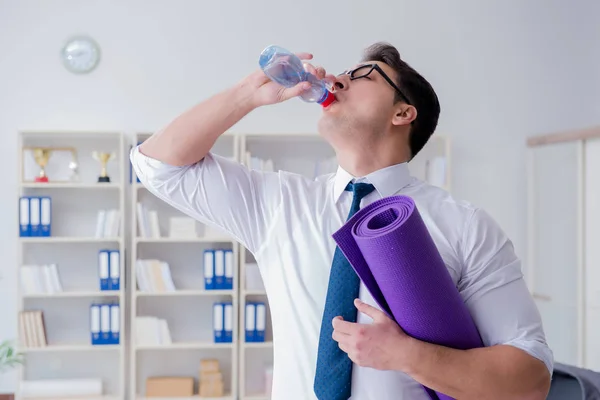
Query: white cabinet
x=564, y=244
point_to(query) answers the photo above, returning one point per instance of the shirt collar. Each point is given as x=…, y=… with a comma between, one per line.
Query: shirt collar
x=387, y=181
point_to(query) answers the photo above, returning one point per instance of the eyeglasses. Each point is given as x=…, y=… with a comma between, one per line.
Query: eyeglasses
x=365, y=70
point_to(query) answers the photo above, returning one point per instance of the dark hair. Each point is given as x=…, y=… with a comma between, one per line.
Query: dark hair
x=416, y=88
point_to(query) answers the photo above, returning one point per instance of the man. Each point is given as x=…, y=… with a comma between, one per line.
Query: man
x=384, y=114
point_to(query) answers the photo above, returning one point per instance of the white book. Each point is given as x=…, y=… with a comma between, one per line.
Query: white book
x=268, y=166
x=100, y=221
x=146, y=331
x=147, y=271
x=167, y=278
x=157, y=276
x=60, y=388
x=33, y=280
x=40, y=282
x=26, y=283
x=142, y=220
x=165, y=334
x=139, y=276
x=47, y=279
x=154, y=225
x=110, y=220
x=116, y=224
x=56, y=282
x=436, y=171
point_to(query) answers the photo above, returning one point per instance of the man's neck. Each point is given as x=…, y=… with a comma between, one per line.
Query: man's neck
x=364, y=161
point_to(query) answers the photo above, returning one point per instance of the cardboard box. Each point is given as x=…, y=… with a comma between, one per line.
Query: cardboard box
x=212, y=389
x=209, y=365
x=210, y=376
x=210, y=379
x=170, y=386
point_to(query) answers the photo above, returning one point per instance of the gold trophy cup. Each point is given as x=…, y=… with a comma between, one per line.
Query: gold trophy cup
x=104, y=158
x=41, y=156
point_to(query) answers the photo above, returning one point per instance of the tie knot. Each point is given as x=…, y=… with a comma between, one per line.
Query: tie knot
x=360, y=190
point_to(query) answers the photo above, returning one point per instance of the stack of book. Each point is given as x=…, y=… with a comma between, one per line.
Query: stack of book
x=33, y=328
x=148, y=226
x=36, y=279
x=154, y=276
x=108, y=224
x=152, y=331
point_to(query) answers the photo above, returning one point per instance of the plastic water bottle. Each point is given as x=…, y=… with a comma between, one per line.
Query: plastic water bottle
x=286, y=68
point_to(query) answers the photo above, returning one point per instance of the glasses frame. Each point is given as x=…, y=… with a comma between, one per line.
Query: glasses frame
x=376, y=67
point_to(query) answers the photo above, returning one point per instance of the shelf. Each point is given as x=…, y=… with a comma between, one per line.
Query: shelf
x=75, y=398
x=258, y=345
x=97, y=293
x=71, y=134
x=67, y=239
x=70, y=185
x=185, y=240
x=187, y=293
x=70, y=348
x=73, y=249
x=254, y=293
x=187, y=346
x=257, y=397
x=227, y=396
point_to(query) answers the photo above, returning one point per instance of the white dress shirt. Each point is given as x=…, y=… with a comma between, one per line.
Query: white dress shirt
x=286, y=220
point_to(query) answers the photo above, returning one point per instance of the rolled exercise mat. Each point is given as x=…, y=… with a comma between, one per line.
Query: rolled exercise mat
x=391, y=250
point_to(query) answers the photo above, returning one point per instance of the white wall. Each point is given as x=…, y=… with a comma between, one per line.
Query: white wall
x=503, y=70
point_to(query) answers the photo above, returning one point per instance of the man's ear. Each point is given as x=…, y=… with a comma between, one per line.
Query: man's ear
x=404, y=115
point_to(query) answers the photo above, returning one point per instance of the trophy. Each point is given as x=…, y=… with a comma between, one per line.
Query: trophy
x=104, y=158
x=41, y=156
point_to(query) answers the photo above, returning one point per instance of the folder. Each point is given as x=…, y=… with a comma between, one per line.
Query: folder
x=115, y=320
x=218, y=314
x=261, y=322
x=114, y=270
x=219, y=279
x=103, y=269
x=209, y=269
x=95, y=324
x=228, y=270
x=228, y=323
x=46, y=216
x=105, y=324
x=250, y=322
x=24, y=213
x=34, y=216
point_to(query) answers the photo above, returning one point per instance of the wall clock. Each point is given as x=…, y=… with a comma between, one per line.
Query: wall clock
x=80, y=55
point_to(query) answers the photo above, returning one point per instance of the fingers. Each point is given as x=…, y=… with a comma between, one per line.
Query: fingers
x=294, y=91
x=319, y=72
x=344, y=327
x=304, y=56
x=330, y=78
x=375, y=314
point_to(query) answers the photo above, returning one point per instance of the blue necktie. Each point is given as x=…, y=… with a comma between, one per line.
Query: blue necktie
x=334, y=367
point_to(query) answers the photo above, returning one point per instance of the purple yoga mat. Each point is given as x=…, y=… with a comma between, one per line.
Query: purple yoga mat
x=391, y=250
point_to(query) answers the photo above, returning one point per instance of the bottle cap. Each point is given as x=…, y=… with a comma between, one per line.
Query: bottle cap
x=328, y=100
